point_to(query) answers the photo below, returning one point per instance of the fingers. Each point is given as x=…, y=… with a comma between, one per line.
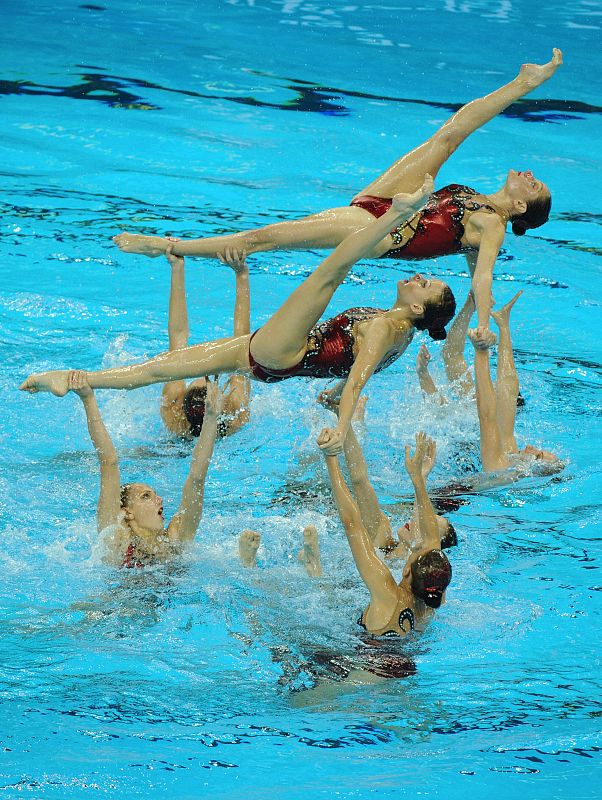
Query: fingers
x=324, y=437
x=233, y=257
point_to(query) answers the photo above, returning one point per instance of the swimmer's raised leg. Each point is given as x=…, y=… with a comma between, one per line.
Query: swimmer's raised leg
x=506, y=388
x=309, y=555
x=248, y=544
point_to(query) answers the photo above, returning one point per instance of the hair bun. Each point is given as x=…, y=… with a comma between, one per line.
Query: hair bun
x=438, y=333
x=519, y=228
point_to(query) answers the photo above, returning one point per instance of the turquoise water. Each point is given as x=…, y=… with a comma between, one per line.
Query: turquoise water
x=194, y=680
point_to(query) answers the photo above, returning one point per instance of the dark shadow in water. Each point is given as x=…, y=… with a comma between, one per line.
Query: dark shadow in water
x=116, y=91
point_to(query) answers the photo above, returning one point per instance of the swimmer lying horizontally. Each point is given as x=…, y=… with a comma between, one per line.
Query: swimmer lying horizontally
x=182, y=407
x=140, y=537
x=397, y=608
x=457, y=219
x=353, y=345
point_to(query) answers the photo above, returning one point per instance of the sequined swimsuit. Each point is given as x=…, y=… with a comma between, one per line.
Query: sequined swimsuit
x=329, y=350
x=437, y=230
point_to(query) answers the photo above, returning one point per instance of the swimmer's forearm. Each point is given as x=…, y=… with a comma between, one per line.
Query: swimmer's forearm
x=242, y=304
x=425, y=513
x=177, y=324
x=99, y=435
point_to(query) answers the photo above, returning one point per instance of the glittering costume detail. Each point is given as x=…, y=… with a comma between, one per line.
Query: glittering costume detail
x=394, y=626
x=329, y=350
x=437, y=230
x=129, y=562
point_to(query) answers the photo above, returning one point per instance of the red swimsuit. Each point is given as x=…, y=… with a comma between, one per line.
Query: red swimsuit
x=329, y=350
x=437, y=230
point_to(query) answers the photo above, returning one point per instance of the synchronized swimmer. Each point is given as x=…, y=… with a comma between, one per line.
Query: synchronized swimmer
x=399, y=216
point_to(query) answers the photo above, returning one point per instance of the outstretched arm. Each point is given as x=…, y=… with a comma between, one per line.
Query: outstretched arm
x=377, y=340
x=376, y=575
x=452, y=351
x=492, y=233
x=427, y=384
x=426, y=519
x=178, y=331
x=109, y=501
x=492, y=453
x=237, y=392
x=185, y=521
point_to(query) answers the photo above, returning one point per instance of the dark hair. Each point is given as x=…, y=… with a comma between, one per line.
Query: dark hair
x=520, y=400
x=450, y=539
x=194, y=408
x=431, y=574
x=124, y=494
x=437, y=313
x=538, y=212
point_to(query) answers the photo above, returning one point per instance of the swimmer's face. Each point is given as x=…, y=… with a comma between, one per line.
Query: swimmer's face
x=145, y=507
x=525, y=187
x=539, y=455
x=419, y=291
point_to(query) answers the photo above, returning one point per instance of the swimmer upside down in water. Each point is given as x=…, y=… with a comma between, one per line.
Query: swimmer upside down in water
x=182, y=407
x=354, y=345
x=397, y=608
x=455, y=219
x=497, y=406
x=135, y=510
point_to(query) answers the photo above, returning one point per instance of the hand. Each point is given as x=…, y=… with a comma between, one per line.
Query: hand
x=236, y=259
x=77, y=380
x=422, y=360
x=174, y=260
x=535, y=74
x=482, y=338
x=425, y=451
x=428, y=461
x=214, y=400
x=330, y=442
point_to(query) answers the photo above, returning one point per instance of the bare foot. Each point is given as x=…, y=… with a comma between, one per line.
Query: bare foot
x=309, y=556
x=329, y=398
x=502, y=317
x=248, y=544
x=535, y=74
x=56, y=381
x=151, y=246
x=409, y=204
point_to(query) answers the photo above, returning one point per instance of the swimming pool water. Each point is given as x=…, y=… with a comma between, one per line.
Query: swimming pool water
x=194, y=679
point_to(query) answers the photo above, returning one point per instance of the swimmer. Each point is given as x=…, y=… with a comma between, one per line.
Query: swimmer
x=407, y=606
x=182, y=407
x=353, y=345
x=497, y=406
x=135, y=510
x=456, y=218
x=374, y=519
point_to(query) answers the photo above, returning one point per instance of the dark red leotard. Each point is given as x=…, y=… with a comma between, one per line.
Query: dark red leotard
x=329, y=350
x=437, y=230
x=129, y=562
